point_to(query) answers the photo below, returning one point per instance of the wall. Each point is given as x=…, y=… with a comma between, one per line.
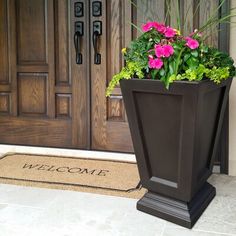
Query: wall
x=232, y=104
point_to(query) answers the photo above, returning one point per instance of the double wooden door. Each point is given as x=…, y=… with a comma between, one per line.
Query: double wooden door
x=57, y=57
x=52, y=88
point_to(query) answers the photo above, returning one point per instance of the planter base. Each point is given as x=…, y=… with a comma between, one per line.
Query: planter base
x=182, y=213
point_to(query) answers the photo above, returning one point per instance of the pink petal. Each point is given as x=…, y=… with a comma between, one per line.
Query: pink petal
x=158, y=50
x=155, y=63
x=192, y=43
x=170, y=32
x=168, y=50
x=149, y=25
x=161, y=28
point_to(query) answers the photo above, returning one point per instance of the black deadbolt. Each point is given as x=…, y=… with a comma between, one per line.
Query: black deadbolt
x=97, y=8
x=79, y=9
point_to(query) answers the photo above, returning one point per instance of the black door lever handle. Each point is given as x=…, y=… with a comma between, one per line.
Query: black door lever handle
x=77, y=41
x=97, y=31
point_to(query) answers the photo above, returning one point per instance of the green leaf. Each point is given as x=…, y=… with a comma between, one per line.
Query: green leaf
x=194, y=53
x=192, y=63
x=172, y=67
x=163, y=78
x=176, y=46
x=154, y=74
x=186, y=56
x=162, y=72
x=204, y=48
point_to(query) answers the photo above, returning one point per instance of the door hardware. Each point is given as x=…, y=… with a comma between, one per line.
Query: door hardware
x=79, y=27
x=97, y=8
x=79, y=9
x=97, y=31
x=79, y=32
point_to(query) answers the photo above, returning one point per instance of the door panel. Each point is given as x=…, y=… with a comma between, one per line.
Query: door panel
x=41, y=105
x=31, y=27
x=80, y=74
x=109, y=124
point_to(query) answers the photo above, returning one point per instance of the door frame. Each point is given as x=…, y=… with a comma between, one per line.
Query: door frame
x=223, y=44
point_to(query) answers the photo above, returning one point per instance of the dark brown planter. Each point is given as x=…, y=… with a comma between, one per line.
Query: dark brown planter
x=175, y=133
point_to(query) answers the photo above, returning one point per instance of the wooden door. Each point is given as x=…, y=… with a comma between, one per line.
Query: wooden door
x=43, y=92
x=109, y=125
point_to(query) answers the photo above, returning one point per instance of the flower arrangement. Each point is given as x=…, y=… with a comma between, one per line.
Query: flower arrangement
x=162, y=53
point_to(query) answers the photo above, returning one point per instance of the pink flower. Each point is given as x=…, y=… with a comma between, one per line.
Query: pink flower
x=163, y=51
x=161, y=28
x=159, y=50
x=155, y=63
x=170, y=32
x=149, y=25
x=168, y=50
x=191, y=43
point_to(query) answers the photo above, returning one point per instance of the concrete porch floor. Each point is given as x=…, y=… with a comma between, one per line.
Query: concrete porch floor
x=28, y=211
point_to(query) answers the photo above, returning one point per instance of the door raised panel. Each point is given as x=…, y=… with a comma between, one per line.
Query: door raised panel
x=32, y=94
x=31, y=28
x=63, y=106
x=4, y=103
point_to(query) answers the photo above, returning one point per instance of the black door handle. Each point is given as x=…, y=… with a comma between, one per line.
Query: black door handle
x=97, y=31
x=77, y=41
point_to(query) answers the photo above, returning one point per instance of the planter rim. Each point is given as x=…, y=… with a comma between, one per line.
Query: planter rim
x=179, y=81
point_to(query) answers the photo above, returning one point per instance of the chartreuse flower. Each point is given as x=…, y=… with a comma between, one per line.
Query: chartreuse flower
x=124, y=50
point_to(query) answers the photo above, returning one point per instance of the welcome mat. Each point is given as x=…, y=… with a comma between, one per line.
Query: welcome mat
x=79, y=174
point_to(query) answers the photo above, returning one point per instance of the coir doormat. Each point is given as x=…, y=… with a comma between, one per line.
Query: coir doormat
x=79, y=174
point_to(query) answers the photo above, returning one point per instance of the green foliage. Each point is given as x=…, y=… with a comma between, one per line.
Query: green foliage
x=189, y=58
x=218, y=74
x=196, y=74
x=139, y=49
x=215, y=58
x=130, y=70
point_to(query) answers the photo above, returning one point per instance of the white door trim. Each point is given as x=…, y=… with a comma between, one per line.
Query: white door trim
x=67, y=152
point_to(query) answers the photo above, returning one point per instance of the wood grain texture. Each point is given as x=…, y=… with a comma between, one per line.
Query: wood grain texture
x=32, y=93
x=109, y=130
x=4, y=46
x=207, y=9
x=5, y=103
x=50, y=27
x=63, y=106
x=11, y=13
x=80, y=79
x=150, y=10
x=31, y=32
x=36, y=37
x=174, y=10
x=40, y=132
x=116, y=109
x=114, y=32
x=61, y=43
x=187, y=16
x=31, y=103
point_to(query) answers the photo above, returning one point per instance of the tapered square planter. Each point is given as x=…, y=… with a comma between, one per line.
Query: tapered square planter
x=175, y=135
